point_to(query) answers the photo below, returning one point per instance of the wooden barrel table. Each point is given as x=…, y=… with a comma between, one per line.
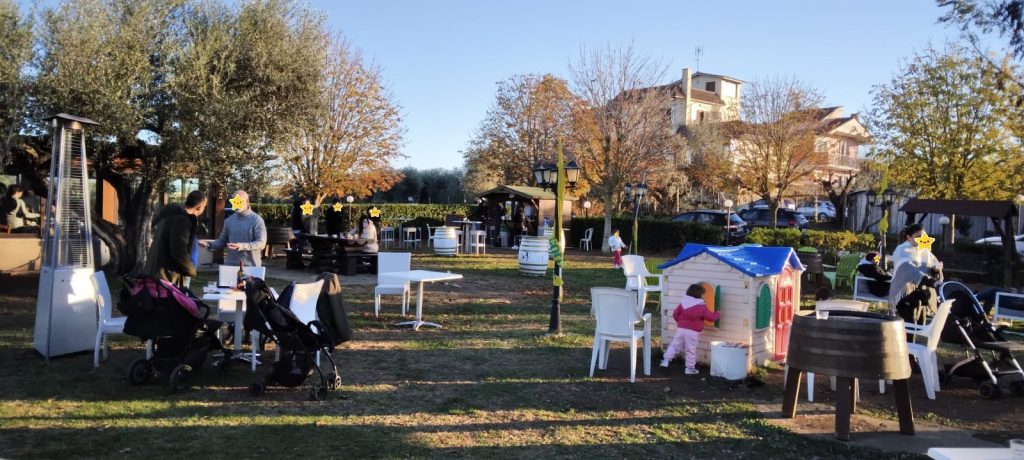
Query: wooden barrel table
x=533, y=256
x=446, y=242
x=850, y=346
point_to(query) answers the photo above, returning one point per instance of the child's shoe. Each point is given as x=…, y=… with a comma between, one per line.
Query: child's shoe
x=664, y=363
x=692, y=371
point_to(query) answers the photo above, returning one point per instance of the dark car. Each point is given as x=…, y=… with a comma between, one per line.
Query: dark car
x=737, y=228
x=762, y=217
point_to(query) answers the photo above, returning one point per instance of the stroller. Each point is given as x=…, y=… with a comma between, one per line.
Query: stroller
x=176, y=323
x=969, y=326
x=297, y=342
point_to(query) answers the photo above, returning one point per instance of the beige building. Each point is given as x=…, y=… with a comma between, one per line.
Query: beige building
x=840, y=138
x=701, y=97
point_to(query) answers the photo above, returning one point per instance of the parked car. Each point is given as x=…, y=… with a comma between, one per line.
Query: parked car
x=737, y=228
x=824, y=211
x=760, y=217
x=762, y=204
x=997, y=241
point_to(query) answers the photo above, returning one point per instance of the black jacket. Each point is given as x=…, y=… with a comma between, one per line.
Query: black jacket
x=170, y=254
x=879, y=286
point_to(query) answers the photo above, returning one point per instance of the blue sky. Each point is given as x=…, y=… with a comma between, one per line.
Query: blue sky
x=442, y=59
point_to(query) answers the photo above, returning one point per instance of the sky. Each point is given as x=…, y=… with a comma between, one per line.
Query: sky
x=442, y=59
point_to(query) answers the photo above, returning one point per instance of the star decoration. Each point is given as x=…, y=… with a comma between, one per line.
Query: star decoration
x=337, y=207
x=236, y=203
x=374, y=212
x=924, y=242
x=307, y=208
x=877, y=259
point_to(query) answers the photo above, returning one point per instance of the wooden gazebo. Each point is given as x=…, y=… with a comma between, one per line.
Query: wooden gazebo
x=1001, y=213
x=538, y=205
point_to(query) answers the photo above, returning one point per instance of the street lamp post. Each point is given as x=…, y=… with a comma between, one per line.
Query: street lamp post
x=635, y=193
x=728, y=219
x=883, y=201
x=549, y=176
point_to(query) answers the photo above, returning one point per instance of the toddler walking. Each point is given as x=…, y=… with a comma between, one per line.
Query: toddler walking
x=615, y=245
x=690, y=315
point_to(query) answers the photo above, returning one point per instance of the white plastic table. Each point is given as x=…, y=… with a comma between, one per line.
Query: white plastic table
x=963, y=453
x=239, y=298
x=467, y=227
x=420, y=277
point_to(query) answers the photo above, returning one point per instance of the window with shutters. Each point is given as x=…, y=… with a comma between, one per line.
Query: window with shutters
x=763, y=317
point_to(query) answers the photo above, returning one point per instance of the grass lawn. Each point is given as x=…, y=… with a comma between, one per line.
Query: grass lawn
x=490, y=384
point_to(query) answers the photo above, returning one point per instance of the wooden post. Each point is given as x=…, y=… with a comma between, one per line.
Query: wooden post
x=789, y=398
x=844, y=406
x=901, y=391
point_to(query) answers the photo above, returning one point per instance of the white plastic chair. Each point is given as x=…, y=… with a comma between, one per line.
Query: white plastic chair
x=386, y=285
x=108, y=325
x=835, y=305
x=227, y=275
x=616, y=319
x=430, y=235
x=387, y=236
x=303, y=304
x=925, y=354
x=587, y=237
x=637, y=279
x=861, y=292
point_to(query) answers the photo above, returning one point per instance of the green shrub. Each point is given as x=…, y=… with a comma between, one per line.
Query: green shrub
x=827, y=242
x=655, y=235
x=275, y=215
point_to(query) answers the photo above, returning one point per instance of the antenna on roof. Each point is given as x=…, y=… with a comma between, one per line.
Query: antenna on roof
x=698, y=52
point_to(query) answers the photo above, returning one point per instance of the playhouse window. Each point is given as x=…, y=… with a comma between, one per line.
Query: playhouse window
x=764, y=308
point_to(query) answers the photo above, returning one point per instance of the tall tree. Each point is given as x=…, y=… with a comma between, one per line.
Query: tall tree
x=357, y=133
x=529, y=115
x=944, y=129
x=15, y=83
x=620, y=130
x=708, y=165
x=775, y=149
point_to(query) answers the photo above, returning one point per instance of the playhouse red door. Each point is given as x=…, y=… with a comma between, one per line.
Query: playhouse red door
x=783, y=313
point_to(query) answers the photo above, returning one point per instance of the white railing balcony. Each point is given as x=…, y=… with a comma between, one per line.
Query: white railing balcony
x=844, y=161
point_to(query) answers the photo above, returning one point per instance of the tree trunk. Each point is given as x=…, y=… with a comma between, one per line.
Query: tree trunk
x=773, y=207
x=608, y=208
x=136, y=208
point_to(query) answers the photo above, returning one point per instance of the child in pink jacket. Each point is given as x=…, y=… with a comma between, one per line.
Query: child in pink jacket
x=690, y=315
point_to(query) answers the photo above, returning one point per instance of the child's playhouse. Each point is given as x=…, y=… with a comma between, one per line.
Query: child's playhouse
x=754, y=288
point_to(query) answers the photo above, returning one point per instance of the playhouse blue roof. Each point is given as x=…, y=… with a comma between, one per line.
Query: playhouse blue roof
x=751, y=260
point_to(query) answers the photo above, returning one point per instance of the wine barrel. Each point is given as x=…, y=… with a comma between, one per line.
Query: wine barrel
x=812, y=262
x=533, y=256
x=850, y=344
x=445, y=241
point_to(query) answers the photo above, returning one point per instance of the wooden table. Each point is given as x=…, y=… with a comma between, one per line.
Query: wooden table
x=420, y=277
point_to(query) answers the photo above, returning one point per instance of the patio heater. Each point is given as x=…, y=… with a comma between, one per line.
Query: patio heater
x=66, y=304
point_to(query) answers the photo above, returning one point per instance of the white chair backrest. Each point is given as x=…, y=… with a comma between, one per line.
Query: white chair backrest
x=934, y=329
x=392, y=262
x=228, y=274
x=304, y=298
x=615, y=310
x=587, y=235
x=633, y=267
x=841, y=305
x=104, y=304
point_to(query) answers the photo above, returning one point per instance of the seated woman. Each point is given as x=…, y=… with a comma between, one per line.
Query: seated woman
x=868, y=268
x=15, y=212
x=367, y=231
x=915, y=276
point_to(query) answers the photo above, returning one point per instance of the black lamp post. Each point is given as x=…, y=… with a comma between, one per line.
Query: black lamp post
x=883, y=201
x=635, y=194
x=546, y=176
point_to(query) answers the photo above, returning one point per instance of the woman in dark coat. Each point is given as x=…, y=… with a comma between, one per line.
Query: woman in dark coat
x=868, y=268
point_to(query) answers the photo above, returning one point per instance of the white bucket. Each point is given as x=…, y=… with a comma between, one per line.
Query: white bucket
x=533, y=256
x=445, y=241
x=730, y=361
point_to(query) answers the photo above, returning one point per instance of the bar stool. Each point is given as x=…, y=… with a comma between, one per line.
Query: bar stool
x=411, y=237
x=478, y=241
x=387, y=236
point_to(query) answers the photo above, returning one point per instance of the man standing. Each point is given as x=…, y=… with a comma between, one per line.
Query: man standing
x=244, y=234
x=170, y=254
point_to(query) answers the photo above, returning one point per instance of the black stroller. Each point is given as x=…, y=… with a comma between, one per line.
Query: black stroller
x=298, y=343
x=969, y=326
x=176, y=324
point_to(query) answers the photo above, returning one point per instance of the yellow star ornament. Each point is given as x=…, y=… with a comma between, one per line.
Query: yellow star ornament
x=236, y=203
x=924, y=242
x=878, y=259
x=307, y=208
x=374, y=212
x=337, y=207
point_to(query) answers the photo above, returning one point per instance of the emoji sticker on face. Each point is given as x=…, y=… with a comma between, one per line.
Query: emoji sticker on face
x=307, y=209
x=236, y=203
x=374, y=212
x=337, y=207
x=924, y=242
x=877, y=258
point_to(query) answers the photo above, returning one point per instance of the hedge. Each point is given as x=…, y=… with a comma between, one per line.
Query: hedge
x=828, y=243
x=655, y=235
x=276, y=215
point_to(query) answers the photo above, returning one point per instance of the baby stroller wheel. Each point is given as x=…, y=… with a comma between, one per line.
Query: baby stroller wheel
x=1017, y=387
x=333, y=381
x=257, y=389
x=989, y=391
x=140, y=371
x=179, y=378
x=317, y=393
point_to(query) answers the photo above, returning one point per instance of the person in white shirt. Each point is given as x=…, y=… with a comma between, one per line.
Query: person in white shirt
x=616, y=245
x=916, y=273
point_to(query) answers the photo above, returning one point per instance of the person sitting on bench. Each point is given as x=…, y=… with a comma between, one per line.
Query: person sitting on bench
x=868, y=267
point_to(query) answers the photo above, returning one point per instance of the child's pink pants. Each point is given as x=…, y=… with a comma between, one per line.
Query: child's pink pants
x=684, y=340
